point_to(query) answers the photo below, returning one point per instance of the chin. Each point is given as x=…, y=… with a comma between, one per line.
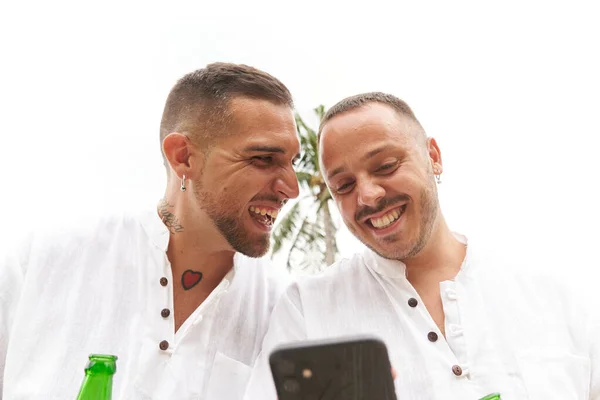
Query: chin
x=392, y=249
x=256, y=248
x=258, y=253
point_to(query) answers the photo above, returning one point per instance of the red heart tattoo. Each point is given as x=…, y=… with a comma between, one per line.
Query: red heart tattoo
x=190, y=278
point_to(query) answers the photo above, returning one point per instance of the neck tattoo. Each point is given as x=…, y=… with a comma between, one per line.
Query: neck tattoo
x=190, y=278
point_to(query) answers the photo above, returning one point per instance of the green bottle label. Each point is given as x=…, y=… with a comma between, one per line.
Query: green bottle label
x=97, y=383
x=493, y=396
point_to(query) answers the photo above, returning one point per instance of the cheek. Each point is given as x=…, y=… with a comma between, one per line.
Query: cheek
x=347, y=209
x=245, y=188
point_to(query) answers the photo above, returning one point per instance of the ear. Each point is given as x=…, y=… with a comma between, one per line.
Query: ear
x=184, y=158
x=435, y=156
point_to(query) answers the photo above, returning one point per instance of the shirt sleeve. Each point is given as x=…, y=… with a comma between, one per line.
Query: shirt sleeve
x=287, y=325
x=12, y=272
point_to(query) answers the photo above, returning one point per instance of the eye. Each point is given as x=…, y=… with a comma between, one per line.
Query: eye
x=387, y=168
x=262, y=161
x=344, y=188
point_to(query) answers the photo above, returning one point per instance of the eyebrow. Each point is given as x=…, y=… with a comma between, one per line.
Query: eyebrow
x=370, y=154
x=268, y=149
x=374, y=152
x=265, y=149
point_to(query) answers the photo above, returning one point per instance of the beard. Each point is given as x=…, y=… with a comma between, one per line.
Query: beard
x=429, y=206
x=222, y=212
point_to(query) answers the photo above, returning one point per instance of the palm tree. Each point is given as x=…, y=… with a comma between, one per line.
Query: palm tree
x=308, y=224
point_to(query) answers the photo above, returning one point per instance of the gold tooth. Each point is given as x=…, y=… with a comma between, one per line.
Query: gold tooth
x=251, y=208
x=257, y=211
x=274, y=214
x=263, y=211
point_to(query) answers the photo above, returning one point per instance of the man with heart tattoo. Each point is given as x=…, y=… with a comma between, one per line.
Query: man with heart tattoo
x=180, y=293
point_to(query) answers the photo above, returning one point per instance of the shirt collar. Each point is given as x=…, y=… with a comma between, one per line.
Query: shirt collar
x=397, y=269
x=159, y=236
x=155, y=229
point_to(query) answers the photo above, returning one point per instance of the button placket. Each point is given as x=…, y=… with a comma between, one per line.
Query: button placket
x=431, y=336
x=454, y=330
x=165, y=336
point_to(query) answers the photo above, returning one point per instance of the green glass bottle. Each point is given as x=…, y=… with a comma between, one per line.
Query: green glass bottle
x=98, y=380
x=493, y=396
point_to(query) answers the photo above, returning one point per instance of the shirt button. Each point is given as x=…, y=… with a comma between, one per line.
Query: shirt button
x=165, y=312
x=432, y=336
x=412, y=302
x=163, y=345
x=457, y=370
x=164, y=281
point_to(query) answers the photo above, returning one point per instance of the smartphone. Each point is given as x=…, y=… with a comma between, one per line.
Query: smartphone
x=350, y=368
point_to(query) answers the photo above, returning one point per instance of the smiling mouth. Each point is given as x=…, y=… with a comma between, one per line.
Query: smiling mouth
x=387, y=219
x=264, y=216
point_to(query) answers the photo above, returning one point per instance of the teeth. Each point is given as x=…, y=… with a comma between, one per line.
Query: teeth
x=263, y=211
x=385, y=220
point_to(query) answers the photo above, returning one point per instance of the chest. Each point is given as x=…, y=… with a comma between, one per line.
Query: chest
x=185, y=303
x=433, y=306
x=490, y=343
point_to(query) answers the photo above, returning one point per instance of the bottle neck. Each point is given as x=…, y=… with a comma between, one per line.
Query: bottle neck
x=96, y=387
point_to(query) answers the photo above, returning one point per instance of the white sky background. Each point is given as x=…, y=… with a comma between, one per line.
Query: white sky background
x=510, y=90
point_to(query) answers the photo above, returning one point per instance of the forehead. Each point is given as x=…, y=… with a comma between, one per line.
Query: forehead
x=354, y=134
x=261, y=122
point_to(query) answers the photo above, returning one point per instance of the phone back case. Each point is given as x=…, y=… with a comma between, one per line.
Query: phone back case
x=341, y=369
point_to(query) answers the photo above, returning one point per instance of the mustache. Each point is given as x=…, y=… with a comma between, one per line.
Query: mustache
x=381, y=205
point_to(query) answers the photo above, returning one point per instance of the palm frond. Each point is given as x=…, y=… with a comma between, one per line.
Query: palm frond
x=305, y=179
x=309, y=240
x=320, y=111
x=296, y=240
x=285, y=228
x=308, y=140
x=305, y=226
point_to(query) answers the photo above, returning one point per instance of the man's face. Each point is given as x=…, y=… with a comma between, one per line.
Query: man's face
x=379, y=171
x=248, y=175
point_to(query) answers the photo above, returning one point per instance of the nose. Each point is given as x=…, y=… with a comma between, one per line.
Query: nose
x=369, y=193
x=287, y=184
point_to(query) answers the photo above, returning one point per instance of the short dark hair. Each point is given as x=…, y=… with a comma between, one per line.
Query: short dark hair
x=198, y=103
x=360, y=100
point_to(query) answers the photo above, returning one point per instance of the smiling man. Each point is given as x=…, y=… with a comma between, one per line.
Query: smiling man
x=459, y=322
x=179, y=293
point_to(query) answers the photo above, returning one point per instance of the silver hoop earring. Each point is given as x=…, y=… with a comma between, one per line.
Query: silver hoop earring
x=183, y=184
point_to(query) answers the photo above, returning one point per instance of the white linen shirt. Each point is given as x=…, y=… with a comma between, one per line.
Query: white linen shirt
x=519, y=334
x=102, y=290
